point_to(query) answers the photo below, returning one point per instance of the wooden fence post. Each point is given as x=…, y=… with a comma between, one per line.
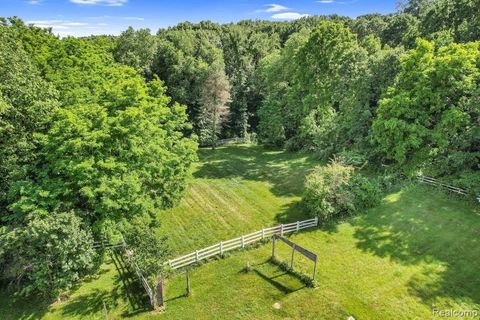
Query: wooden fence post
x=293, y=253
x=221, y=248
x=188, y=283
x=314, y=269
x=316, y=221
x=105, y=310
x=273, y=246
x=243, y=243
x=263, y=233
x=298, y=225
x=281, y=229
x=160, y=298
x=196, y=255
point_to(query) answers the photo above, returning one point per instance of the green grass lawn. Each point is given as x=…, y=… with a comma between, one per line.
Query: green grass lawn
x=420, y=248
x=236, y=190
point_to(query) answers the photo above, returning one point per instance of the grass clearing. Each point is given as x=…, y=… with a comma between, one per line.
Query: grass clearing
x=420, y=248
x=236, y=190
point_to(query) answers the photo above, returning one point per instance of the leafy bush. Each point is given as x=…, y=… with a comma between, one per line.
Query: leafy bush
x=351, y=158
x=335, y=189
x=296, y=144
x=47, y=255
x=327, y=192
x=367, y=193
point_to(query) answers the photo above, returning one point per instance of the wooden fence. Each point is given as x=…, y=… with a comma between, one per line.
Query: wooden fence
x=239, y=242
x=133, y=264
x=437, y=183
x=227, y=141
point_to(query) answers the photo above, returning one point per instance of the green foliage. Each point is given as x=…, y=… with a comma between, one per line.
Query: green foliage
x=113, y=148
x=326, y=190
x=322, y=89
x=46, y=254
x=284, y=266
x=182, y=60
x=335, y=190
x=456, y=16
x=136, y=48
x=113, y=161
x=429, y=118
x=352, y=158
x=278, y=113
x=148, y=248
x=215, y=109
x=367, y=193
x=26, y=105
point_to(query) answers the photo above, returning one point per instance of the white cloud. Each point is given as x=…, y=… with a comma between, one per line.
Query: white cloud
x=115, y=17
x=34, y=2
x=65, y=27
x=273, y=8
x=336, y=2
x=112, y=3
x=289, y=15
x=133, y=18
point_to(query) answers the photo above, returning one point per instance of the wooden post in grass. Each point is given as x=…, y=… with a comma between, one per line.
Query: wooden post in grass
x=160, y=298
x=273, y=247
x=221, y=248
x=189, y=292
x=293, y=254
x=314, y=269
x=105, y=310
x=281, y=229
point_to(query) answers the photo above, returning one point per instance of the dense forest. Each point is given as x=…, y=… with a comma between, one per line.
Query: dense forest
x=97, y=134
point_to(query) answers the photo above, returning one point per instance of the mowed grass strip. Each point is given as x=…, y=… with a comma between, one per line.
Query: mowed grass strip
x=236, y=190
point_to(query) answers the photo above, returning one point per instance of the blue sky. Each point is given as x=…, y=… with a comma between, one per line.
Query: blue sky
x=85, y=17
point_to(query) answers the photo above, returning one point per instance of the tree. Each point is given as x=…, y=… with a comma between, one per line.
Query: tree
x=148, y=248
x=215, y=99
x=136, y=48
x=278, y=113
x=113, y=148
x=114, y=160
x=182, y=61
x=27, y=103
x=46, y=254
x=428, y=120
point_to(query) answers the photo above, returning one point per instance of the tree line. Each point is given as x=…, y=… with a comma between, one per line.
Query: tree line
x=98, y=134
x=397, y=90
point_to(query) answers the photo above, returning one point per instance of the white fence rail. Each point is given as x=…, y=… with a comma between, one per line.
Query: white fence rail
x=232, y=141
x=239, y=242
x=133, y=264
x=226, y=141
x=435, y=182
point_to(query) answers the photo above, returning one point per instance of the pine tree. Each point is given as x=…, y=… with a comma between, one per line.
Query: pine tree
x=215, y=99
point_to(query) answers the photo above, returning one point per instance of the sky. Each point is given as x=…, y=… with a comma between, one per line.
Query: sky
x=86, y=17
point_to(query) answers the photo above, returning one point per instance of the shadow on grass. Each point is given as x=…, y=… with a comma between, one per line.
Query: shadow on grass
x=126, y=287
x=19, y=307
x=284, y=281
x=131, y=288
x=442, y=236
x=285, y=171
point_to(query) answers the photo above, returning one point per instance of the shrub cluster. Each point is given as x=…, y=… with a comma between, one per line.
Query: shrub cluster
x=337, y=189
